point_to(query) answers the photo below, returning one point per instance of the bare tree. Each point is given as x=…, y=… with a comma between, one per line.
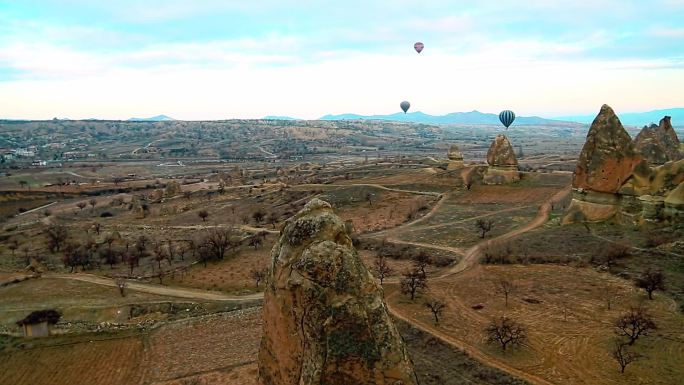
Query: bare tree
x=609, y=295
x=421, y=262
x=258, y=275
x=622, y=355
x=382, y=268
x=110, y=256
x=273, y=219
x=505, y=331
x=612, y=253
x=92, y=203
x=97, y=226
x=133, y=261
x=203, y=214
x=81, y=206
x=634, y=323
x=121, y=284
x=13, y=245
x=436, y=307
x=369, y=199
x=258, y=216
x=413, y=282
x=221, y=240
x=505, y=287
x=56, y=236
x=255, y=241
x=484, y=226
x=160, y=253
x=651, y=280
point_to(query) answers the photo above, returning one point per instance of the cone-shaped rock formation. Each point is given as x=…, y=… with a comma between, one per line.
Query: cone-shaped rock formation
x=325, y=320
x=608, y=157
x=501, y=152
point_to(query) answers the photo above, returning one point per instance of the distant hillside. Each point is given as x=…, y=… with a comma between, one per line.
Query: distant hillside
x=637, y=118
x=158, y=118
x=473, y=117
x=274, y=117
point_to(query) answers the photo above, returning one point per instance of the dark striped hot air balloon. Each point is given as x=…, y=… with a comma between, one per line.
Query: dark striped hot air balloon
x=507, y=117
x=418, y=47
x=405, y=105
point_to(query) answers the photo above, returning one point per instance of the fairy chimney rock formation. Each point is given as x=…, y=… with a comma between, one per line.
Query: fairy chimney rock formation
x=455, y=153
x=658, y=144
x=325, y=320
x=503, y=165
x=455, y=158
x=501, y=153
x=608, y=157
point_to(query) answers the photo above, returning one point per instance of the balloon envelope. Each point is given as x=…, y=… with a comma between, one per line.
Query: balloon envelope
x=507, y=117
x=419, y=46
x=405, y=105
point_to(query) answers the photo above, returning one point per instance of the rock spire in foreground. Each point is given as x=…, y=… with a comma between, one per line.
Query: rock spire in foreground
x=325, y=320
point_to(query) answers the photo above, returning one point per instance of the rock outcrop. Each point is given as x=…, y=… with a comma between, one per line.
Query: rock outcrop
x=674, y=205
x=501, y=153
x=613, y=180
x=455, y=153
x=325, y=320
x=608, y=157
x=503, y=165
x=658, y=144
x=455, y=158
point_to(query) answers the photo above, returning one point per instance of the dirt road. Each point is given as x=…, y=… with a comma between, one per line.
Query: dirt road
x=196, y=294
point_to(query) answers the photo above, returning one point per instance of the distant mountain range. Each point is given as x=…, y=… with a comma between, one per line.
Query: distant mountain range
x=158, y=118
x=636, y=118
x=476, y=117
x=473, y=117
x=275, y=117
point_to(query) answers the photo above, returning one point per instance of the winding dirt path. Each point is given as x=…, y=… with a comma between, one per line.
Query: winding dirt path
x=158, y=289
x=470, y=350
x=378, y=186
x=467, y=264
x=473, y=254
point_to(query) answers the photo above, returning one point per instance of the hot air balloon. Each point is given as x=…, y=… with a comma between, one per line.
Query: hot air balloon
x=507, y=117
x=405, y=105
x=418, y=47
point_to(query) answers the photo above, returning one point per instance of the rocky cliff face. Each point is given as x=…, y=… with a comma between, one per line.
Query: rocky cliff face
x=501, y=152
x=325, y=321
x=658, y=144
x=608, y=157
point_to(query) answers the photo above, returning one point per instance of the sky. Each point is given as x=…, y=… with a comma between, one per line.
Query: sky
x=213, y=59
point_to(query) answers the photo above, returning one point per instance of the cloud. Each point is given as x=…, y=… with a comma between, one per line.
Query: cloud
x=673, y=32
x=217, y=59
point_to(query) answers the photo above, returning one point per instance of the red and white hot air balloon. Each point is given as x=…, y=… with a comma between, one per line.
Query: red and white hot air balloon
x=418, y=47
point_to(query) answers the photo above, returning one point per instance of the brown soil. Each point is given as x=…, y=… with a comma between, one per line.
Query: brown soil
x=109, y=362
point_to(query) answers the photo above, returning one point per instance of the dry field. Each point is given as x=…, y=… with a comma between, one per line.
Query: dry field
x=77, y=300
x=569, y=325
x=231, y=275
x=218, y=343
x=222, y=346
x=106, y=362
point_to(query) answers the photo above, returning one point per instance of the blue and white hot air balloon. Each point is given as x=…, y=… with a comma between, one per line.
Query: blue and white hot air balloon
x=507, y=117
